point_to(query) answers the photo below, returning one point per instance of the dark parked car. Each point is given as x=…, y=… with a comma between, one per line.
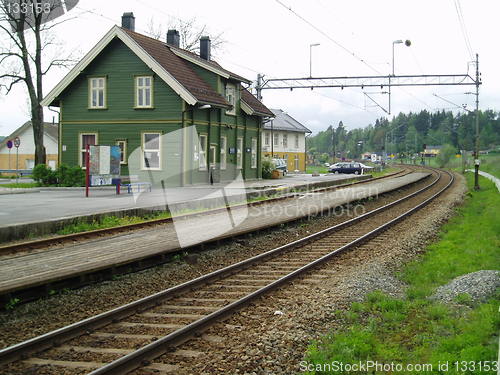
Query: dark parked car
x=351, y=168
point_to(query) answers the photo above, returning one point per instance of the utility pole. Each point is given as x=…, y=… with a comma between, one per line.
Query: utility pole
x=258, y=87
x=476, y=151
x=333, y=144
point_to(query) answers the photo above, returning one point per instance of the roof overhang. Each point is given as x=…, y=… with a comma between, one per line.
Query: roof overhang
x=116, y=32
x=245, y=107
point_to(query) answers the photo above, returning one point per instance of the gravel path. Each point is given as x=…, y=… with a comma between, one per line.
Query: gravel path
x=480, y=286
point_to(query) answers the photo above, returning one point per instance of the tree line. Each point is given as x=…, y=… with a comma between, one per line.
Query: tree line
x=407, y=133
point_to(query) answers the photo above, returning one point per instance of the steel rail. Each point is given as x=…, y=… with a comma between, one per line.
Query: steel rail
x=57, y=337
x=151, y=351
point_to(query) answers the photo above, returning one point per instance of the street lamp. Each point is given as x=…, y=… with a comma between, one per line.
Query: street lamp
x=310, y=57
x=399, y=41
x=407, y=44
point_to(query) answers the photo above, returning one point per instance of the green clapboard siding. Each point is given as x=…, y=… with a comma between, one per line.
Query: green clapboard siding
x=120, y=121
x=119, y=65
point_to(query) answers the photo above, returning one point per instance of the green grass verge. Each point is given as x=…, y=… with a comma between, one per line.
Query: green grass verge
x=316, y=169
x=416, y=330
x=20, y=185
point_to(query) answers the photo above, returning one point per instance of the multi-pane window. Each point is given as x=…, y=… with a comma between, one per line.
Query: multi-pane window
x=231, y=98
x=285, y=140
x=152, y=150
x=267, y=138
x=296, y=162
x=144, y=93
x=89, y=139
x=296, y=141
x=254, y=153
x=223, y=158
x=239, y=153
x=97, y=92
x=123, y=151
x=202, y=153
x=276, y=139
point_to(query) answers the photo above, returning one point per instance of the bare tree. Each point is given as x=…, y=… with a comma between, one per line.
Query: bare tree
x=190, y=33
x=26, y=39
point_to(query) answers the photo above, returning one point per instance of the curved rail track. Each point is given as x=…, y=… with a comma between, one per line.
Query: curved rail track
x=133, y=335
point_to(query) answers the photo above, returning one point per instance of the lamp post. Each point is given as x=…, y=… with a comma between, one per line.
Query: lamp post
x=310, y=57
x=399, y=41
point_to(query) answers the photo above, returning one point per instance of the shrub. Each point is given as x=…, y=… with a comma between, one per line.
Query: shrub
x=267, y=168
x=63, y=176
x=44, y=175
x=70, y=176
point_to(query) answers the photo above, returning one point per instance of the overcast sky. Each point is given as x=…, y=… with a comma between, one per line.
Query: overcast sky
x=264, y=36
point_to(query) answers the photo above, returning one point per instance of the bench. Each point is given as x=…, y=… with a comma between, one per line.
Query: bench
x=137, y=187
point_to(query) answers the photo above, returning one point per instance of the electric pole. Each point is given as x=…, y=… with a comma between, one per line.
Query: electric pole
x=476, y=151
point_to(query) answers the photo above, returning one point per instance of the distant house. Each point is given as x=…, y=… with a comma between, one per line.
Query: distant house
x=179, y=118
x=27, y=147
x=432, y=151
x=284, y=137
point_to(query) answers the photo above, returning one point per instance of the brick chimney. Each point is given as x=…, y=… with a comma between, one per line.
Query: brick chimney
x=173, y=38
x=205, y=48
x=128, y=21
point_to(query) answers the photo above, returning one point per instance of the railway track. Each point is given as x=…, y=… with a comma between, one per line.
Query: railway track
x=61, y=240
x=134, y=335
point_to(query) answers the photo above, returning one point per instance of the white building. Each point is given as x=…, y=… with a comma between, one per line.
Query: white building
x=285, y=138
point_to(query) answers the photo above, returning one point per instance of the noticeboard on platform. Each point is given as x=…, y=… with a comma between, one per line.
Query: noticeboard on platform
x=104, y=164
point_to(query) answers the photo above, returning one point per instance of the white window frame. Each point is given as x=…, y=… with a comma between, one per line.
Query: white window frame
x=297, y=141
x=296, y=162
x=123, y=151
x=143, y=88
x=202, y=152
x=94, y=86
x=267, y=138
x=239, y=153
x=276, y=139
x=254, y=153
x=223, y=152
x=285, y=140
x=81, y=147
x=231, y=97
x=144, y=150
x=212, y=156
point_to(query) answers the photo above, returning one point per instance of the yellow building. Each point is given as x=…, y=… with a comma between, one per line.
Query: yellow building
x=285, y=138
x=24, y=157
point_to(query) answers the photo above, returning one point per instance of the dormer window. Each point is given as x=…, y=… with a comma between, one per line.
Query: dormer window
x=97, y=92
x=144, y=92
x=231, y=98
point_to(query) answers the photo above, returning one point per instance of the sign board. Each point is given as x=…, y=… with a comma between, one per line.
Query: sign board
x=232, y=150
x=373, y=157
x=104, y=164
x=17, y=142
x=9, y=144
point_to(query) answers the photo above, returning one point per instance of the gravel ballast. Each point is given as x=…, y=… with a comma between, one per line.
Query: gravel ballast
x=480, y=286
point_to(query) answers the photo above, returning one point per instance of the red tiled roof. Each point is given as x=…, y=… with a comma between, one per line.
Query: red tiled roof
x=179, y=69
x=255, y=104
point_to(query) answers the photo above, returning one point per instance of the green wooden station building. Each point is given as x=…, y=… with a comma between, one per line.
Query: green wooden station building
x=178, y=117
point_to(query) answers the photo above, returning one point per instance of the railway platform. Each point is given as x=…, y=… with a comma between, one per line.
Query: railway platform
x=47, y=210
x=73, y=261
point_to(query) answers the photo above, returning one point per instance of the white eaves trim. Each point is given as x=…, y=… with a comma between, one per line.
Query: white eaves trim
x=246, y=108
x=137, y=49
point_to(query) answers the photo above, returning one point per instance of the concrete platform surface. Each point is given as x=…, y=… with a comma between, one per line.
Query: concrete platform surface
x=30, y=270
x=58, y=203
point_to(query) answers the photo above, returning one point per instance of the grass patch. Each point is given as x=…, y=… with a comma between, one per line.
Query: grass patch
x=310, y=169
x=111, y=222
x=416, y=330
x=20, y=185
x=384, y=172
